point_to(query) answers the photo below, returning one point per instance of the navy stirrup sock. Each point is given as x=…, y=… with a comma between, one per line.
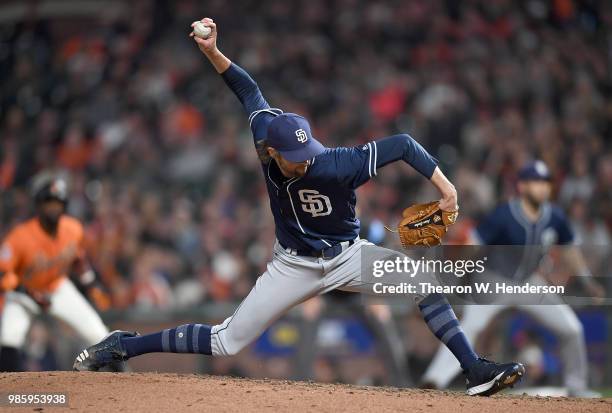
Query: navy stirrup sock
x=441, y=320
x=188, y=338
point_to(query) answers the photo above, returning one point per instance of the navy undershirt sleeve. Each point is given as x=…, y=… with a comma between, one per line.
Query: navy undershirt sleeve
x=355, y=166
x=249, y=94
x=245, y=88
x=404, y=147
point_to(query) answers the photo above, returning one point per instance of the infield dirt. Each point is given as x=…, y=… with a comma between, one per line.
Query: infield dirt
x=156, y=392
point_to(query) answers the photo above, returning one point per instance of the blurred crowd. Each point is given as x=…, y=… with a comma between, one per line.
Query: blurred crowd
x=160, y=158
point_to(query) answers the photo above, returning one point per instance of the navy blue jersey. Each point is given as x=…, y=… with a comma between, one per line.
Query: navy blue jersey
x=508, y=225
x=317, y=211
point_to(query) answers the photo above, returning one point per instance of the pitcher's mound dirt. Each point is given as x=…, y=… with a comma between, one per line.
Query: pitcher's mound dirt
x=153, y=392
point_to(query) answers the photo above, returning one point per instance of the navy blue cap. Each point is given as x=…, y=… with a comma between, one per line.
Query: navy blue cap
x=535, y=171
x=290, y=135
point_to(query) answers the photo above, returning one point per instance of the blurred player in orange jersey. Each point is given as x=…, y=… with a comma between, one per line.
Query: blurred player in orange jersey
x=36, y=260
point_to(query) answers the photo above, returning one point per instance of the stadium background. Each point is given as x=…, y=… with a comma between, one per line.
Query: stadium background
x=163, y=172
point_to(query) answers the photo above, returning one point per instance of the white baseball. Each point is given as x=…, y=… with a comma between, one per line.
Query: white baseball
x=201, y=30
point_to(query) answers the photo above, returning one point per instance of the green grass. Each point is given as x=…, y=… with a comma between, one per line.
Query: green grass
x=605, y=392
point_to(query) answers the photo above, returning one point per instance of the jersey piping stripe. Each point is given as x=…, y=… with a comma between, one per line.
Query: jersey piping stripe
x=273, y=111
x=229, y=320
x=293, y=207
x=545, y=215
x=517, y=213
x=370, y=159
x=375, y=157
x=269, y=177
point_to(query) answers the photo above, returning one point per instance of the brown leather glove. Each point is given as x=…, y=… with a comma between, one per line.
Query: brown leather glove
x=424, y=224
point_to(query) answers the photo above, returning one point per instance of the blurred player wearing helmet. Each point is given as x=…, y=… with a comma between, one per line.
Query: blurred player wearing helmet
x=36, y=259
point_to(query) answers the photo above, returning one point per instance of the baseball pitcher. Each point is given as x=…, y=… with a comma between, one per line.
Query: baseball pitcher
x=312, y=198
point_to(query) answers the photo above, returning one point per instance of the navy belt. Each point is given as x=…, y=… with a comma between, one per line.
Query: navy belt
x=326, y=253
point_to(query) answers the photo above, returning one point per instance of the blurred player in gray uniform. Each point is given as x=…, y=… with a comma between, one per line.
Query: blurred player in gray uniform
x=528, y=220
x=312, y=198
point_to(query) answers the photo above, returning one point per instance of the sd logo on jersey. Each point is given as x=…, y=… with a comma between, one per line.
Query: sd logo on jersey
x=314, y=203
